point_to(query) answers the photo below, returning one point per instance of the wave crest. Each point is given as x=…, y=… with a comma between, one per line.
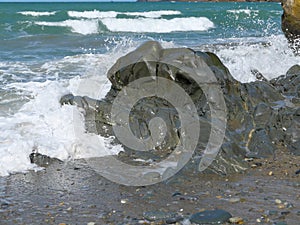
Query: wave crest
x=36, y=14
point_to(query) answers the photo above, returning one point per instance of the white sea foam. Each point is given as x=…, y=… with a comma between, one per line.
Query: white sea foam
x=34, y=13
x=138, y=25
x=77, y=26
x=153, y=14
x=112, y=14
x=93, y=14
x=55, y=130
x=145, y=25
x=271, y=60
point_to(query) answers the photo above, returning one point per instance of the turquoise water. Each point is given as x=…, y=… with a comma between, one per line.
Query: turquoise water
x=51, y=49
x=43, y=31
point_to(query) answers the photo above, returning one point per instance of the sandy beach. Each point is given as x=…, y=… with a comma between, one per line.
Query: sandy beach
x=72, y=193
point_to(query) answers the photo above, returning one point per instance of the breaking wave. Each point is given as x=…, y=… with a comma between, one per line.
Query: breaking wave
x=34, y=13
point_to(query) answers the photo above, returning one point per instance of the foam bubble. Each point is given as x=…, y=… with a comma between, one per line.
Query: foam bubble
x=78, y=26
x=36, y=14
x=144, y=25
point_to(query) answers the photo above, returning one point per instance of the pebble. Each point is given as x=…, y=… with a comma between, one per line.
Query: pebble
x=158, y=215
x=91, y=223
x=281, y=223
x=273, y=212
x=217, y=216
x=278, y=201
x=124, y=201
x=236, y=220
x=270, y=173
x=234, y=200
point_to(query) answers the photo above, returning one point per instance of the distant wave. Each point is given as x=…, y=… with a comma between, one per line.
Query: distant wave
x=33, y=13
x=77, y=26
x=245, y=11
x=112, y=14
x=92, y=14
x=153, y=14
x=150, y=25
x=139, y=25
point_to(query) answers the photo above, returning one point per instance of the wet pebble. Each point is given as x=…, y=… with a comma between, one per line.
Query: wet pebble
x=158, y=215
x=234, y=200
x=174, y=220
x=211, y=217
x=273, y=212
x=236, y=220
x=4, y=203
x=281, y=223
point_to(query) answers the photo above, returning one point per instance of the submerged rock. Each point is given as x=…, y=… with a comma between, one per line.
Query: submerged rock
x=42, y=160
x=260, y=115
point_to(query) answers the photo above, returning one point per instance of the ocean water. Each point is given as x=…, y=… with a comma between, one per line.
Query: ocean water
x=51, y=49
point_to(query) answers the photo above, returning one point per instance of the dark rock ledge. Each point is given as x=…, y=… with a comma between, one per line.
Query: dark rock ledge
x=261, y=116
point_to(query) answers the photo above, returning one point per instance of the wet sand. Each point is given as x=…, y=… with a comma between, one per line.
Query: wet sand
x=72, y=193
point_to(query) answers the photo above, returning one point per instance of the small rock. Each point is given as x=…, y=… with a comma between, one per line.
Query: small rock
x=281, y=223
x=211, y=217
x=176, y=194
x=236, y=220
x=273, y=212
x=278, y=201
x=270, y=173
x=285, y=213
x=158, y=215
x=91, y=223
x=288, y=205
x=124, y=201
x=297, y=172
x=234, y=200
x=175, y=220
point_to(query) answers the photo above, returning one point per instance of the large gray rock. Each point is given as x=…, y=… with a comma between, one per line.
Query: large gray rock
x=260, y=117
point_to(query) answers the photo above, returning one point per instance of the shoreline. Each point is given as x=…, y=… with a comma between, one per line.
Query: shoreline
x=72, y=193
